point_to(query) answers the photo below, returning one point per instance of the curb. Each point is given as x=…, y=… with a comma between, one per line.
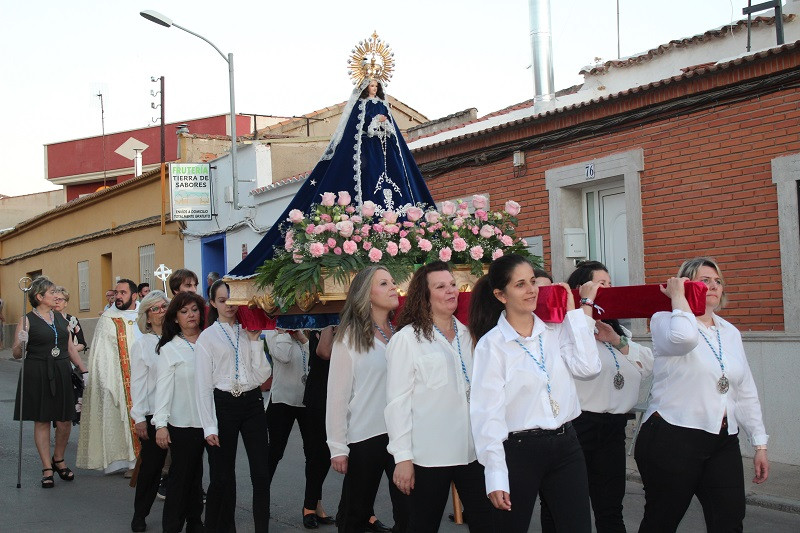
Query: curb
x=776, y=503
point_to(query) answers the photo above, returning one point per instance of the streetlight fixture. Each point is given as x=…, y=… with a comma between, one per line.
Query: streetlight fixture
x=161, y=20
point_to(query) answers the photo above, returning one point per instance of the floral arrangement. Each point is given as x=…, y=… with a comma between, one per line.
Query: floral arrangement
x=343, y=239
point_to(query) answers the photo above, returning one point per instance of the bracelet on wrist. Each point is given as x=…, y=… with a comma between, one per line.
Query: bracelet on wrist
x=760, y=447
x=587, y=301
x=623, y=342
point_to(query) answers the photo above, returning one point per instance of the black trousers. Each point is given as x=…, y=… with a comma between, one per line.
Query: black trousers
x=368, y=460
x=677, y=463
x=318, y=461
x=281, y=419
x=243, y=415
x=184, y=501
x=602, y=439
x=152, y=461
x=552, y=465
x=431, y=489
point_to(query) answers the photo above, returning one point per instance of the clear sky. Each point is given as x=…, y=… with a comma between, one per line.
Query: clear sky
x=290, y=58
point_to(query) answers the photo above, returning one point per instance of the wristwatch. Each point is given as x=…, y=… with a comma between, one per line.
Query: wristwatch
x=623, y=342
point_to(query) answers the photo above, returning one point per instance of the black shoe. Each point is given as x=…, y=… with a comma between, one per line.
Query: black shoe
x=377, y=527
x=326, y=520
x=310, y=521
x=138, y=524
x=162, y=489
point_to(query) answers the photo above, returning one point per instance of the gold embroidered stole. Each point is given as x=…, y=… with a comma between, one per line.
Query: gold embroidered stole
x=125, y=367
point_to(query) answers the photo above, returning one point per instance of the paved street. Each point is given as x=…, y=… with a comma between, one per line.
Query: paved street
x=95, y=502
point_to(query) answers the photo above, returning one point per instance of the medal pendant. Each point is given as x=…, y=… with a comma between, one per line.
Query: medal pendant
x=554, y=407
x=619, y=380
x=236, y=390
x=723, y=384
x=304, y=378
x=55, y=352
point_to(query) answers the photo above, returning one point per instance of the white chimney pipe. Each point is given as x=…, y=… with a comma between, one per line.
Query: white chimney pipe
x=137, y=163
x=542, y=48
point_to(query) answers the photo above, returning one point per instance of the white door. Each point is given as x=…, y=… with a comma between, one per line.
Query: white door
x=607, y=228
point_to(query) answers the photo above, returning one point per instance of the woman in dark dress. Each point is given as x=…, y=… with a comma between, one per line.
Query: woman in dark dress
x=47, y=389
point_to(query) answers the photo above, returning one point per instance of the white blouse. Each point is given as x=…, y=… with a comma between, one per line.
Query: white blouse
x=598, y=394
x=288, y=368
x=510, y=390
x=686, y=372
x=176, y=392
x=356, y=395
x=143, y=377
x=427, y=414
x=216, y=367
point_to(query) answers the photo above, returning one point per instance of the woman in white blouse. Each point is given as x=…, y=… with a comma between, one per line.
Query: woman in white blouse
x=230, y=368
x=702, y=392
x=524, y=397
x=143, y=402
x=354, y=422
x=176, y=418
x=427, y=412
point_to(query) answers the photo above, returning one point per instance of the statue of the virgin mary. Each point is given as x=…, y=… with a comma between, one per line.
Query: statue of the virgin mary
x=367, y=155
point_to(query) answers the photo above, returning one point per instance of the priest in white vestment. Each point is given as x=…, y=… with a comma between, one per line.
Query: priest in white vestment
x=107, y=438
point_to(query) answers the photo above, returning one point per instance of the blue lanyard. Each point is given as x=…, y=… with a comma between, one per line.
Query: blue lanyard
x=458, y=343
x=540, y=364
x=391, y=327
x=186, y=341
x=302, y=351
x=51, y=326
x=236, y=347
x=716, y=354
x=611, y=349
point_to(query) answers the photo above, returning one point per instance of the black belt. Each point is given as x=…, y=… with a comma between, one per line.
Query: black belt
x=243, y=394
x=538, y=432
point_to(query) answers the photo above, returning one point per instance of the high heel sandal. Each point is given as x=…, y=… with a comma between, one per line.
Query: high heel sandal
x=47, y=481
x=64, y=473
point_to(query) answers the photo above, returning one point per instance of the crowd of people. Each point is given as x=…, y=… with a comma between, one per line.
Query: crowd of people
x=507, y=408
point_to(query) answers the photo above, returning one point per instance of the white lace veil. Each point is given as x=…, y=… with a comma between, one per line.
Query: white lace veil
x=348, y=109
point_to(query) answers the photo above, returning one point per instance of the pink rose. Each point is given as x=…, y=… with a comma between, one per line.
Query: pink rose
x=366, y=245
x=480, y=214
x=432, y=217
x=403, y=233
x=414, y=213
x=487, y=231
x=344, y=217
x=337, y=251
x=368, y=208
x=326, y=249
x=476, y=252
x=405, y=245
x=390, y=217
x=331, y=242
x=325, y=218
x=316, y=249
x=290, y=235
x=365, y=230
x=344, y=198
x=355, y=219
x=512, y=208
x=408, y=224
x=497, y=254
x=297, y=257
x=391, y=249
x=459, y=244
x=288, y=245
x=295, y=216
x=458, y=222
x=425, y=245
x=445, y=234
x=392, y=229
x=350, y=209
x=506, y=240
x=462, y=212
x=448, y=209
x=479, y=201
x=345, y=228
x=330, y=226
x=328, y=199
x=375, y=255
x=474, y=230
x=310, y=229
x=319, y=229
x=378, y=228
x=523, y=242
x=357, y=238
x=349, y=247
x=463, y=205
x=445, y=254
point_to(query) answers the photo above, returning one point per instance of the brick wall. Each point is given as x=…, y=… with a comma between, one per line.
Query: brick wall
x=706, y=189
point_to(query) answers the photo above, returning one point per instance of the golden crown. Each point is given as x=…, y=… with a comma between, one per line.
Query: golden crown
x=371, y=59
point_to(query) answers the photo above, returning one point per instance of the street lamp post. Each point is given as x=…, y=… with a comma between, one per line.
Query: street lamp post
x=161, y=20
